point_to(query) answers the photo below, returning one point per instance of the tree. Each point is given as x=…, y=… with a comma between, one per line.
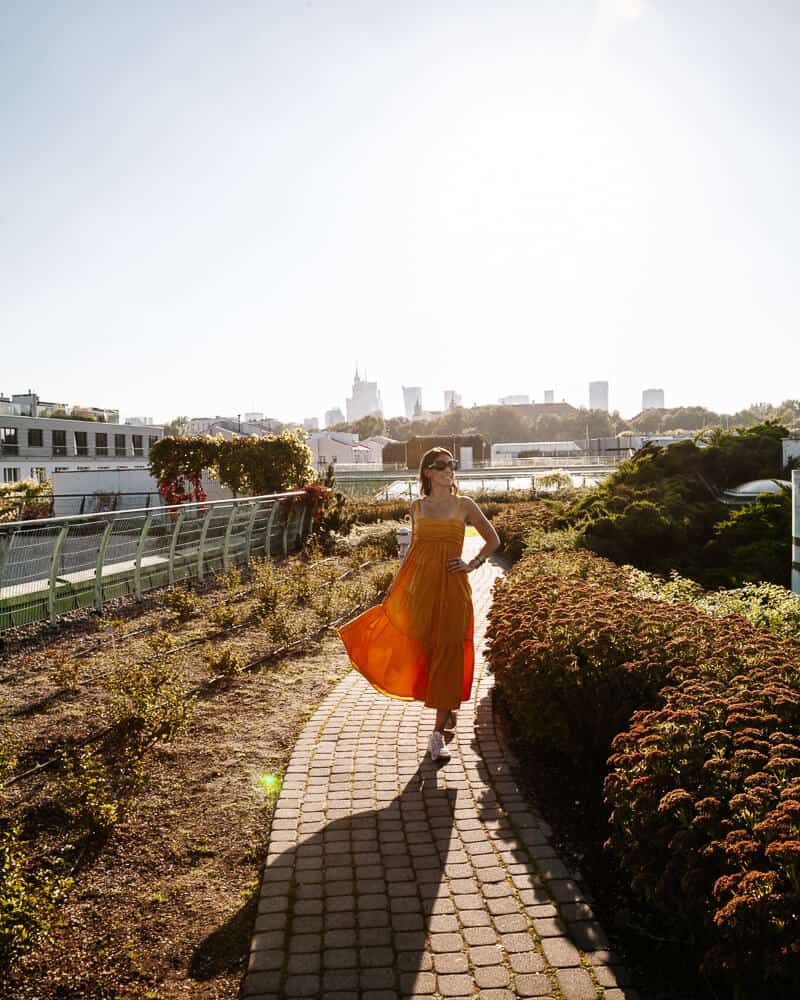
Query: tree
x=179, y=427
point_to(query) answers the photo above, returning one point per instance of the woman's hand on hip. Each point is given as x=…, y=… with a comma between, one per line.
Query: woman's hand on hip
x=457, y=566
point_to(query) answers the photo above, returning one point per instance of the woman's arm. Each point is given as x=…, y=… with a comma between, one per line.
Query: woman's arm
x=478, y=520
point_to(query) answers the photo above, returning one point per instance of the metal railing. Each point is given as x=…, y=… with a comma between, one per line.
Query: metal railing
x=55, y=565
x=796, y=531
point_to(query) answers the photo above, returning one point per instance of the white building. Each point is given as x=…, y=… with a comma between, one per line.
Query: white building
x=365, y=399
x=511, y=451
x=311, y=423
x=337, y=447
x=520, y=399
x=598, y=396
x=548, y=396
x=653, y=399
x=412, y=400
x=37, y=447
x=253, y=418
x=452, y=399
x=139, y=421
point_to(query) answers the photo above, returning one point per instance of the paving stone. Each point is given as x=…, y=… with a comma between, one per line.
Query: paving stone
x=588, y=936
x=526, y=962
x=377, y=979
x=261, y=982
x=486, y=955
x=455, y=986
x=302, y=986
x=450, y=963
x=510, y=923
x=576, y=984
x=492, y=977
x=609, y=976
x=560, y=952
x=550, y=927
x=266, y=960
x=419, y=984
x=446, y=942
x=340, y=979
x=537, y=985
x=479, y=936
x=621, y=995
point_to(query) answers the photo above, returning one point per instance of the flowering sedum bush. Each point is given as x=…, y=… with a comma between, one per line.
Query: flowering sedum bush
x=700, y=714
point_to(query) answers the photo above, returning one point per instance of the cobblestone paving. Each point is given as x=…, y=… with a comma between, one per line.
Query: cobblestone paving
x=389, y=876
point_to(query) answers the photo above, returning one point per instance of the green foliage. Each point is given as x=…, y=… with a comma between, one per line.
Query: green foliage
x=25, y=500
x=265, y=585
x=147, y=698
x=181, y=602
x=29, y=899
x=753, y=543
x=226, y=662
x=659, y=510
x=271, y=464
x=86, y=791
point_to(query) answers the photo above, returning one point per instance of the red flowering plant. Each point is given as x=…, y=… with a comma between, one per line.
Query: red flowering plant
x=705, y=793
x=177, y=464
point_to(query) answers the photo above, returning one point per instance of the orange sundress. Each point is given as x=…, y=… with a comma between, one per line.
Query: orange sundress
x=418, y=644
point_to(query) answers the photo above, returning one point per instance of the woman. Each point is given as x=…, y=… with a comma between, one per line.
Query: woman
x=418, y=645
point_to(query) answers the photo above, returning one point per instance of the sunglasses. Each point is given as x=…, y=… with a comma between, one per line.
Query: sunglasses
x=441, y=464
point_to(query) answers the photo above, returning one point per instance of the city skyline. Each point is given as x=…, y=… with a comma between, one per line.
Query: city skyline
x=219, y=208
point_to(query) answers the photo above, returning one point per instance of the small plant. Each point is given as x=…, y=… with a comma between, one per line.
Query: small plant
x=231, y=579
x=29, y=900
x=280, y=627
x=86, y=791
x=9, y=750
x=226, y=662
x=182, y=603
x=265, y=586
x=64, y=669
x=147, y=700
x=223, y=617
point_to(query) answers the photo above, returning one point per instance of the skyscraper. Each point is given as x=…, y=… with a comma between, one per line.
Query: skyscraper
x=334, y=416
x=598, y=396
x=412, y=399
x=653, y=399
x=365, y=399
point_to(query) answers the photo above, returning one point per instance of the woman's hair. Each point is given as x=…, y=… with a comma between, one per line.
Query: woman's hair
x=428, y=459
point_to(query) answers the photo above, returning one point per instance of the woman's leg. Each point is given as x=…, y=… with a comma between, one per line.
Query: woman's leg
x=442, y=715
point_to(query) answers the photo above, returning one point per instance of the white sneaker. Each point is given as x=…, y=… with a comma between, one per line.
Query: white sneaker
x=437, y=747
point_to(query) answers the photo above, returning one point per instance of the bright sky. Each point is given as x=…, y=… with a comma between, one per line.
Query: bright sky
x=212, y=207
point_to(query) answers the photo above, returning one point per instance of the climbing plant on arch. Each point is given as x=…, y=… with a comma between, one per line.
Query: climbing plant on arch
x=246, y=465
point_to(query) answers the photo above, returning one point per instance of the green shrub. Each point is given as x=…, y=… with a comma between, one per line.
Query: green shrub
x=181, y=602
x=29, y=899
x=86, y=791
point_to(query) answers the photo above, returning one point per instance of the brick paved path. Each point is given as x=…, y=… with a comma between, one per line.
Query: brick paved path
x=389, y=876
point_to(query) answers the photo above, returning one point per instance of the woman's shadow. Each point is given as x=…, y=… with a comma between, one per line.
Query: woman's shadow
x=350, y=907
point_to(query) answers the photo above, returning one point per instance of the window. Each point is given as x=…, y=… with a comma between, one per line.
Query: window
x=138, y=446
x=101, y=444
x=81, y=443
x=35, y=437
x=119, y=445
x=59, y=443
x=38, y=473
x=9, y=443
x=151, y=441
x=10, y=475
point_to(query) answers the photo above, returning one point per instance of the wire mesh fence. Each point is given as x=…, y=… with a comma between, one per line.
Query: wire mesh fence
x=53, y=566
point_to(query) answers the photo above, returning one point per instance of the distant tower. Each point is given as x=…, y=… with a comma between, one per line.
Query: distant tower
x=311, y=423
x=653, y=399
x=412, y=399
x=365, y=399
x=598, y=396
x=451, y=399
x=548, y=395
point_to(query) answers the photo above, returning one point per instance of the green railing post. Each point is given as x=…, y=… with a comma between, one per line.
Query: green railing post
x=137, y=569
x=248, y=536
x=173, y=545
x=227, y=542
x=201, y=545
x=290, y=505
x=268, y=546
x=57, y=550
x=98, y=569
